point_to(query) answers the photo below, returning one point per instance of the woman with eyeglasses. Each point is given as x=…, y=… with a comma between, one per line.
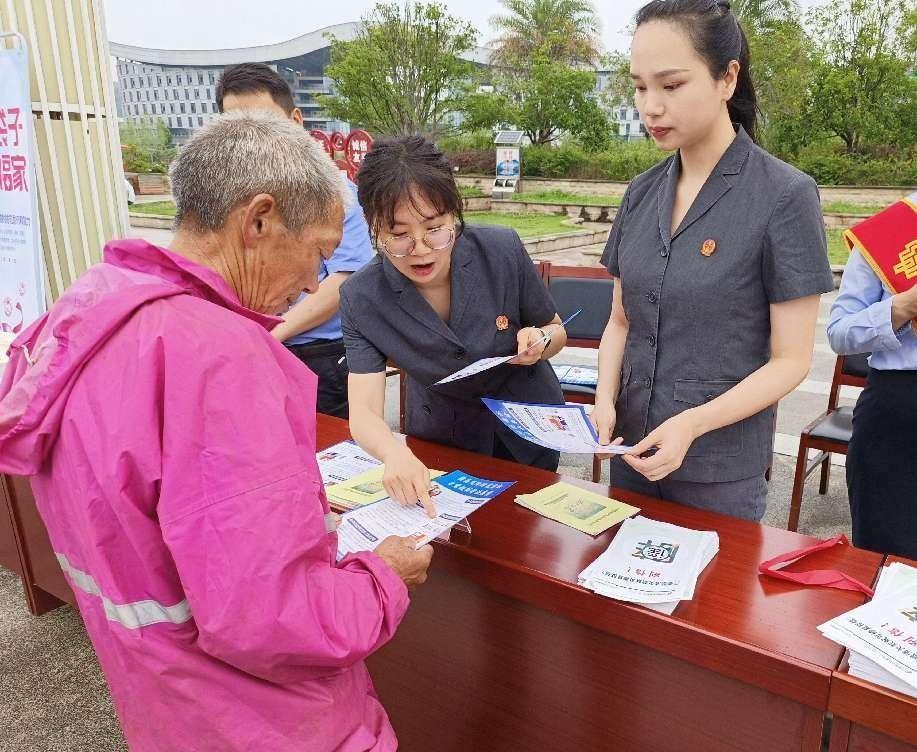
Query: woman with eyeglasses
x=438, y=296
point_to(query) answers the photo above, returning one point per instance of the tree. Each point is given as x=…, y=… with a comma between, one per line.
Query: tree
x=781, y=69
x=861, y=90
x=404, y=72
x=146, y=147
x=552, y=98
x=566, y=30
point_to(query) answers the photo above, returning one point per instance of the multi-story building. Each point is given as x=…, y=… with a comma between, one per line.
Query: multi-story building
x=623, y=114
x=179, y=86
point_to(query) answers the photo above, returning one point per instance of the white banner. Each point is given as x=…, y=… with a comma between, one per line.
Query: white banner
x=22, y=298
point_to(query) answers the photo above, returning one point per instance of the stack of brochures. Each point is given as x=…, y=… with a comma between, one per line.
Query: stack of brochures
x=455, y=494
x=342, y=462
x=577, y=507
x=352, y=478
x=652, y=563
x=576, y=375
x=882, y=634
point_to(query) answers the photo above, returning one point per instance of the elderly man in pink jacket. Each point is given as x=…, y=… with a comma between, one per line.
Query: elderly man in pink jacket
x=171, y=444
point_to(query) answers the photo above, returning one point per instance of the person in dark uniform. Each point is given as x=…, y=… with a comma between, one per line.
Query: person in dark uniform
x=438, y=296
x=719, y=259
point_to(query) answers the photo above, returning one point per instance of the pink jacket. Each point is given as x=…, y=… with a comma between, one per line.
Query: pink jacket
x=171, y=444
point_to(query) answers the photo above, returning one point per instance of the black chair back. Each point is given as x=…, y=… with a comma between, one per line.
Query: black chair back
x=592, y=295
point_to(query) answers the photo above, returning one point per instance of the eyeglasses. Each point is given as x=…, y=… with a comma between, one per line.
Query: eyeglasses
x=436, y=239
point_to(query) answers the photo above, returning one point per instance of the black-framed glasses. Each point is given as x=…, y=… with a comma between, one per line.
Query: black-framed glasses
x=436, y=239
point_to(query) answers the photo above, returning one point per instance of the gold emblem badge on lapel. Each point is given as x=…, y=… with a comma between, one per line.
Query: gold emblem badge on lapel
x=709, y=247
x=502, y=323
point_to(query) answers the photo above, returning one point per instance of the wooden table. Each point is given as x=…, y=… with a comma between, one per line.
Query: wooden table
x=25, y=548
x=537, y=663
x=867, y=717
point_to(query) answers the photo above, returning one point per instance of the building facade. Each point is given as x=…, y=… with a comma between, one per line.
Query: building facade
x=179, y=86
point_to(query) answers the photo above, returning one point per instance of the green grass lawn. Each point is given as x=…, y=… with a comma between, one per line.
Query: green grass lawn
x=527, y=225
x=850, y=207
x=471, y=191
x=157, y=208
x=837, y=248
x=562, y=197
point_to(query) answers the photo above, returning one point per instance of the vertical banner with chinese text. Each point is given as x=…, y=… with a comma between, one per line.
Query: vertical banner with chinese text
x=21, y=280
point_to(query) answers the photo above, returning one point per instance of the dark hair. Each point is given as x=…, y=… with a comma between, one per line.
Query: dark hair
x=250, y=78
x=718, y=38
x=407, y=167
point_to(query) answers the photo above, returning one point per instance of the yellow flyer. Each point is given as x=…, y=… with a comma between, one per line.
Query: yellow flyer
x=577, y=507
x=362, y=489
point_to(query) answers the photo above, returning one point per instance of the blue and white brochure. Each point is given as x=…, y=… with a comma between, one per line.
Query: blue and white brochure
x=564, y=428
x=455, y=494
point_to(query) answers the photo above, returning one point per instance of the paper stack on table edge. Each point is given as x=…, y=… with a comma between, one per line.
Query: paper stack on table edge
x=655, y=564
x=576, y=507
x=882, y=635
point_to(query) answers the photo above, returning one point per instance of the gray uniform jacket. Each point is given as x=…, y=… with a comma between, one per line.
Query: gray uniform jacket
x=384, y=318
x=700, y=321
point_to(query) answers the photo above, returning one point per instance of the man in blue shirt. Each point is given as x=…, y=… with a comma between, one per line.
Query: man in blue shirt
x=311, y=329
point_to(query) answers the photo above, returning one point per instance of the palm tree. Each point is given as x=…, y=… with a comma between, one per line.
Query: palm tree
x=565, y=30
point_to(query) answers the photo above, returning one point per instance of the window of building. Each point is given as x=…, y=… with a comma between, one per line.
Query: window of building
x=197, y=93
x=200, y=77
x=193, y=107
x=187, y=95
x=212, y=79
x=155, y=95
x=159, y=80
x=200, y=120
x=175, y=93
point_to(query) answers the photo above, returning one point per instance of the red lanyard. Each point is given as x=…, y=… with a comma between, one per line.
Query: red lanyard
x=823, y=577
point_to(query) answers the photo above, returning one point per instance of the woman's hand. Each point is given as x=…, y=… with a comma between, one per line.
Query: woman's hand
x=603, y=418
x=671, y=440
x=406, y=479
x=531, y=346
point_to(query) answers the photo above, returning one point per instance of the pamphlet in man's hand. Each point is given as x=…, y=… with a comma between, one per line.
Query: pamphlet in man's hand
x=455, y=494
x=564, y=428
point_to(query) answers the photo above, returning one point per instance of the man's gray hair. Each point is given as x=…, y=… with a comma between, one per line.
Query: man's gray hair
x=240, y=154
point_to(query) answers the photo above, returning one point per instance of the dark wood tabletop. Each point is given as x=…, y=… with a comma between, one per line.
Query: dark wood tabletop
x=739, y=624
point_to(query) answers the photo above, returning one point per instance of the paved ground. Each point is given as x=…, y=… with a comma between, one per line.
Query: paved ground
x=53, y=697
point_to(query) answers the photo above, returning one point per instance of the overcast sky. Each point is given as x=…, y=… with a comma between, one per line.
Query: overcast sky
x=210, y=24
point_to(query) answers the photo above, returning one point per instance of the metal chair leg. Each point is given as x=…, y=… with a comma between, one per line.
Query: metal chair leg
x=596, y=469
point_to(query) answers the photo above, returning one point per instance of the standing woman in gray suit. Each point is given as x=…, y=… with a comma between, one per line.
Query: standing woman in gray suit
x=438, y=296
x=719, y=258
